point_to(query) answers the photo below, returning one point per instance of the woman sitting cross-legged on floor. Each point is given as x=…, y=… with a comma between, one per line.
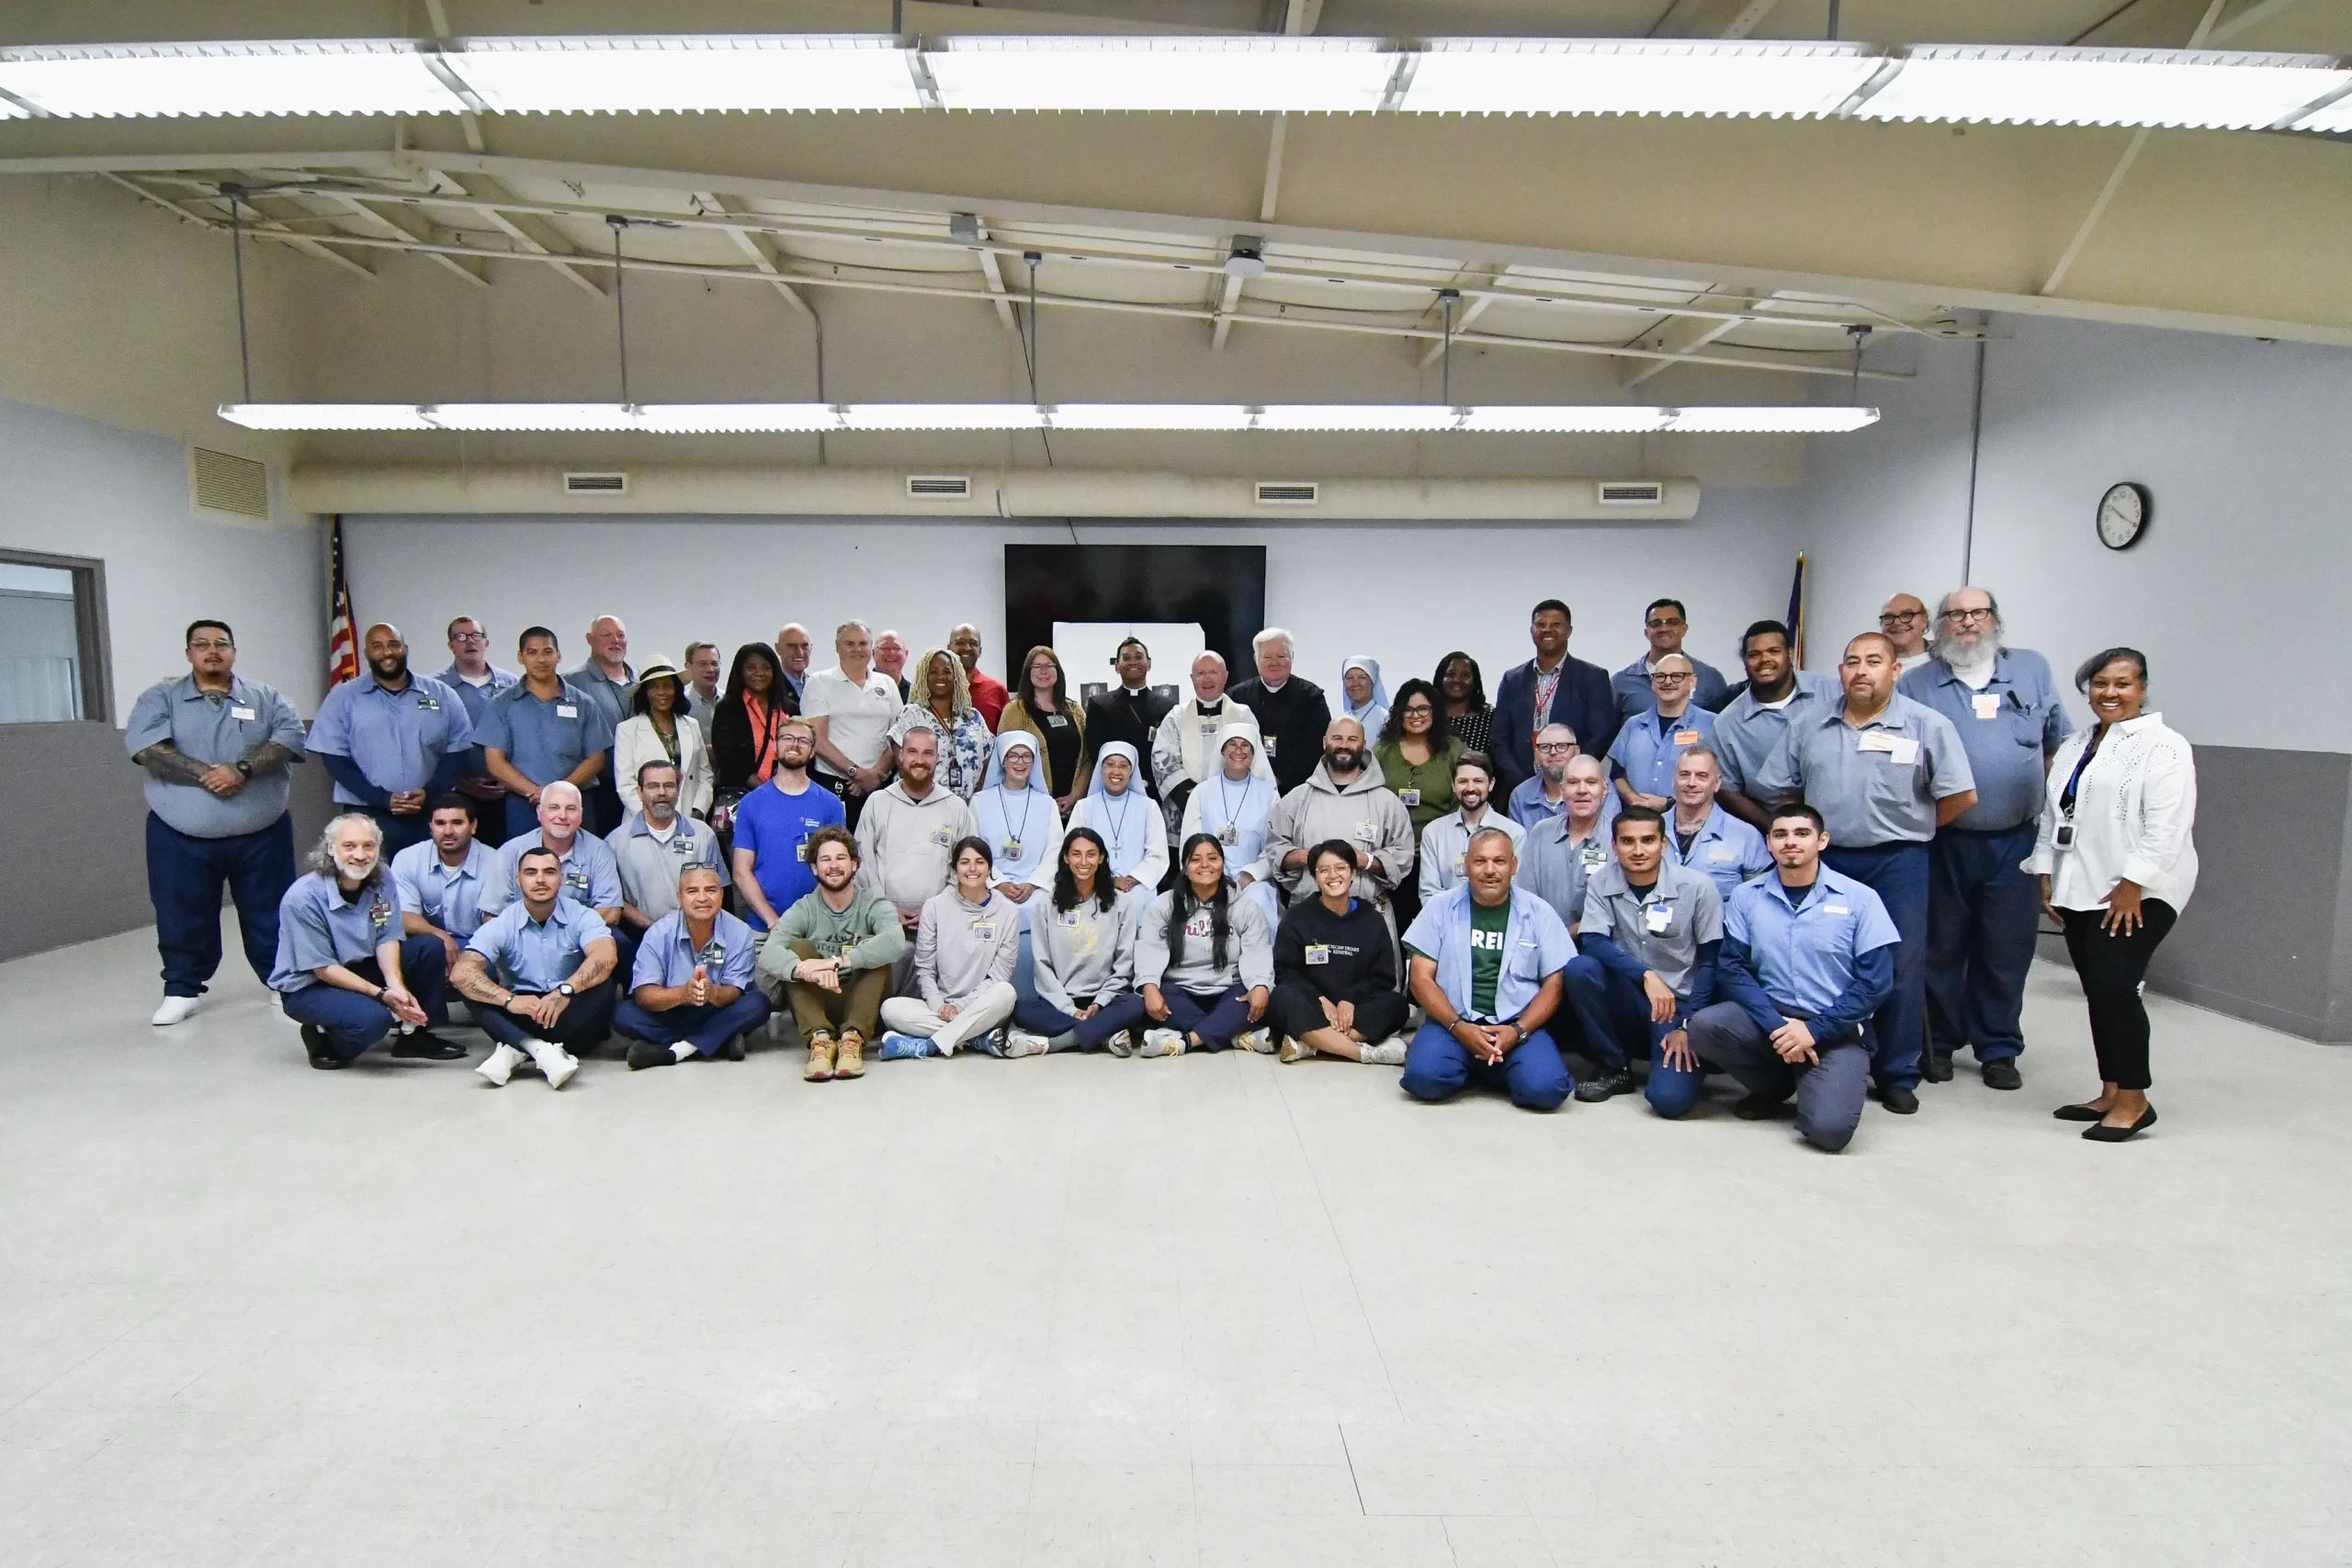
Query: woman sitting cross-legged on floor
x=1335, y=970
x=1082, y=995
x=965, y=943
x=1205, y=960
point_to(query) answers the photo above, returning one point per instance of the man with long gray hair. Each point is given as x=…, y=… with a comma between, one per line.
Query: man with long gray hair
x=1982, y=908
x=345, y=971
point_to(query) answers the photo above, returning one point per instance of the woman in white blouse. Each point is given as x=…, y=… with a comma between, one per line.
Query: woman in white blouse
x=660, y=731
x=2117, y=865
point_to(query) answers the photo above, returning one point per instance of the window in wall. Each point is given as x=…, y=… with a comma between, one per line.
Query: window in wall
x=51, y=637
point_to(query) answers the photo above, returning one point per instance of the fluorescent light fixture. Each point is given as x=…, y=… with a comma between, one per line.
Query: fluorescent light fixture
x=2205, y=89
x=1150, y=416
x=738, y=419
x=1240, y=75
x=687, y=74
x=272, y=77
x=1682, y=77
x=942, y=416
x=1781, y=420
x=1403, y=417
x=326, y=416
x=1524, y=420
x=534, y=416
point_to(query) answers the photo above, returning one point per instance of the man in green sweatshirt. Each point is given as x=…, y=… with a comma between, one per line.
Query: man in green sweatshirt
x=830, y=955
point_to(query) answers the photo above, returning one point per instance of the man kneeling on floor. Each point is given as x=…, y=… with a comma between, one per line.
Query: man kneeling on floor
x=538, y=970
x=1485, y=961
x=1651, y=932
x=830, y=955
x=1808, y=956
x=345, y=971
x=691, y=991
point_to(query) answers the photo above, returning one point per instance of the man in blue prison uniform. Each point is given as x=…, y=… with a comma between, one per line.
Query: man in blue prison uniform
x=690, y=991
x=394, y=739
x=1483, y=960
x=1648, y=938
x=542, y=731
x=346, y=971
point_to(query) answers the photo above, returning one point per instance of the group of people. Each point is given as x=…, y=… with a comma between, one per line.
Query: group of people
x=1820, y=887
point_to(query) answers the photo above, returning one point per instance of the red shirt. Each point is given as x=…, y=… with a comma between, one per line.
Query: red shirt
x=988, y=695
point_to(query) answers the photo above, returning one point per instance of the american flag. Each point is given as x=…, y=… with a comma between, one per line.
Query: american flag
x=342, y=640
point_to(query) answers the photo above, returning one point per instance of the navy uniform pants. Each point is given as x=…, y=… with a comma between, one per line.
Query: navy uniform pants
x=1983, y=913
x=1898, y=873
x=705, y=1028
x=185, y=876
x=587, y=1021
x=353, y=1022
x=1439, y=1067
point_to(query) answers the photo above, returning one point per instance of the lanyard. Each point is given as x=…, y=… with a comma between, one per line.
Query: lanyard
x=2067, y=796
x=1224, y=799
x=1119, y=830
x=1026, y=807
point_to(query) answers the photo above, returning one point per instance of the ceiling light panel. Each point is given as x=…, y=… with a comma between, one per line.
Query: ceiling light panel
x=533, y=416
x=1770, y=420
x=687, y=74
x=1536, y=421
x=326, y=416
x=1574, y=76
x=942, y=416
x=281, y=77
x=1243, y=75
x=738, y=419
x=1398, y=417
x=1150, y=416
x=2191, y=88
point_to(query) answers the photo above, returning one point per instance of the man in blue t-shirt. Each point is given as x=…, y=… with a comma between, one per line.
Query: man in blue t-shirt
x=772, y=827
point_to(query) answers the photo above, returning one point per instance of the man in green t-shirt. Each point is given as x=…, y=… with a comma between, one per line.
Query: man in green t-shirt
x=1484, y=963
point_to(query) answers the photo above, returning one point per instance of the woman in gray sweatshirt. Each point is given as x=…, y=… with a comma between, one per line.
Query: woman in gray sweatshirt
x=1204, y=961
x=1082, y=993
x=965, y=946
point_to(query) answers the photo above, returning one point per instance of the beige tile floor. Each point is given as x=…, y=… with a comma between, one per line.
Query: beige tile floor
x=1211, y=1311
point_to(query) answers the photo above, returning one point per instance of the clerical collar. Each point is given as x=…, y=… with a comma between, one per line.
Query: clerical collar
x=1208, y=709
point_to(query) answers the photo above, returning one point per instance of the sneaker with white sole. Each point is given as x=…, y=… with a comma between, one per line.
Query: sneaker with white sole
x=1260, y=1039
x=895, y=1047
x=1019, y=1041
x=175, y=1009
x=501, y=1064
x=1388, y=1052
x=1161, y=1043
x=556, y=1064
x=1121, y=1045
x=1296, y=1050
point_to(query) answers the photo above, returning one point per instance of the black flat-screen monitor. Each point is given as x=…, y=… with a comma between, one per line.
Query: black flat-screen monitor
x=1222, y=587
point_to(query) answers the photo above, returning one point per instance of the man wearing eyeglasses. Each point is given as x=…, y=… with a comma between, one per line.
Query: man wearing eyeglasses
x=476, y=680
x=1904, y=619
x=1664, y=624
x=1982, y=908
x=1653, y=740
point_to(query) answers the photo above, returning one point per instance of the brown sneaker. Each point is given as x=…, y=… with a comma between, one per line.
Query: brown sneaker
x=849, y=1058
x=820, y=1059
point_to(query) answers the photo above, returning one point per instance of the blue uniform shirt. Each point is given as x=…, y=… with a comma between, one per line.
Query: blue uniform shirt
x=774, y=826
x=449, y=897
x=592, y=878
x=1727, y=849
x=1649, y=745
x=396, y=738
x=211, y=728
x=611, y=697
x=2010, y=729
x=1875, y=786
x=1630, y=687
x=1804, y=953
x=529, y=955
x=1529, y=806
x=319, y=924
x=1536, y=946
x=1745, y=731
x=545, y=740
x=668, y=956
x=648, y=869
x=477, y=698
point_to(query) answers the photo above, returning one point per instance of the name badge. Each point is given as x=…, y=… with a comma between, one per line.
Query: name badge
x=1228, y=835
x=984, y=928
x=1986, y=704
x=800, y=852
x=1056, y=721
x=941, y=837
x=567, y=710
x=1659, y=918
x=242, y=713
x=576, y=877
x=1270, y=746
x=428, y=703
x=1686, y=737
x=1316, y=954
x=379, y=914
x=1069, y=917
x=1009, y=849
x=1723, y=854
x=1835, y=909
x=1591, y=855
x=1409, y=796
x=1367, y=831
x=713, y=955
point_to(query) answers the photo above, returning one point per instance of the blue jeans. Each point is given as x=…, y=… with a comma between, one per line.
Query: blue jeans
x=1615, y=1013
x=1982, y=913
x=1898, y=875
x=184, y=878
x=705, y=1028
x=1215, y=1016
x=1119, y=1009
x=353, y=1022
x=1439, y=1067
x=584, y=1024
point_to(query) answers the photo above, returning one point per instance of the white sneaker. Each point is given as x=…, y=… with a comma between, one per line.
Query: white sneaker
x=1121, y=1045
x=1260, y=1039
x=1296, y=1050
x=175, y=1009
x=1388, y=1052
x=1023, y=1042
x=1161, y=1043
x=501, y=1064
x=556, y=1064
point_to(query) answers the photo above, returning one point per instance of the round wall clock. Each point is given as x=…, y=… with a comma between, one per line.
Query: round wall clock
x=2123, y=515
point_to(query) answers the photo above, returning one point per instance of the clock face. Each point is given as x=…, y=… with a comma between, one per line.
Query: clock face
x=2123, y=514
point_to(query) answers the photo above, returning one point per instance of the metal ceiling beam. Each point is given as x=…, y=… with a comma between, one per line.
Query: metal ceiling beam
x=1228, y=306
x=1680, y=338
x=532, y=234
x=2252, y=16
x=262, y=224
x=417, y=227
x=763, y=256
x=994, y=276
x=1479, y=299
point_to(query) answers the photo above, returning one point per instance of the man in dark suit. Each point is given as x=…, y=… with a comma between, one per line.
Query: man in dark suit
x=1551, y=688
x=1130, y=711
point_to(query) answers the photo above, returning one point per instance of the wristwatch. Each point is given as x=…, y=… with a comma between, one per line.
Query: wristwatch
x=244, y=767
x=564, y=990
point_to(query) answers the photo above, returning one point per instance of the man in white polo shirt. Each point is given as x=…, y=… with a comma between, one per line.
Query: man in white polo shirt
x=850, y=706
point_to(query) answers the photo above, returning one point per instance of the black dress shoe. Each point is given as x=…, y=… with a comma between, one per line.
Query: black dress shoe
x=1603, y=1084
x=644, y=1053
x=2103, y=1133
x=733, y=1050
x=425, y=1046
x=1936, y=1066
x=1759, y=1108
x=1900, y=1101
x=2002, y=1074
x=323, y=1055
x=2079, y=1113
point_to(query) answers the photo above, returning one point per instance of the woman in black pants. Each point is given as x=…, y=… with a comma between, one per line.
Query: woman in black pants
x=1335, y=970
x=2118, y=863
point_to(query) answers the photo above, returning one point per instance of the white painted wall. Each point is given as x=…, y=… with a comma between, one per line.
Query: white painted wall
x=79, y=488
x=2231, y=592
x=1404, y=594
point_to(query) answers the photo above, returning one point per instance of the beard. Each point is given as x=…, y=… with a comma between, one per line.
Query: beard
x=390, y=668
x=359, y=869
x=1343, y=759
x=1966, y=649
x=1553, y=775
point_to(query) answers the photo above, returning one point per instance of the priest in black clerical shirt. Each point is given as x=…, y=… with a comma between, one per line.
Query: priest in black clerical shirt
x=1130, y=711
x=1291, y=711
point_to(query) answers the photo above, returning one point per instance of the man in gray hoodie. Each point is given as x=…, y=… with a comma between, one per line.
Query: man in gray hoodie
x=909, y=831
x=1344, y=798
x=965, y=947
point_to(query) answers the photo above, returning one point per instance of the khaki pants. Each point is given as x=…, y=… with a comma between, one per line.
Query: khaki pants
x=855, y=1008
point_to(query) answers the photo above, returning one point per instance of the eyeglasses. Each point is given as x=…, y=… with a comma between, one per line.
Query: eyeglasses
x=1416, y=710
x=1670, y=677
x=469, y=636
x=1664, y=624
x=217, y=647
x=1901, y=617
x=1965, y=615
x=1556, y=745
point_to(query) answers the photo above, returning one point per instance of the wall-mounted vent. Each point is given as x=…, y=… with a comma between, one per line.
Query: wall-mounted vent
x=939, y=487
x=1288, y=492
x=220, y=481
x=595, y=484
x=1630, y=493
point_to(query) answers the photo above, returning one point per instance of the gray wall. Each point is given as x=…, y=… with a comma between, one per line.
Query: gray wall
x=74, y=861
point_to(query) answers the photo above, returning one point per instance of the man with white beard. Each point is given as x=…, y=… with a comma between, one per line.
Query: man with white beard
x=1983, y=909
x=346, y=970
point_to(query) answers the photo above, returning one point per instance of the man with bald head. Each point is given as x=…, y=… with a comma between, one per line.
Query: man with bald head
x=1184, y=748
x=890, y=658
x=1344, y=798
x=989, y=693
x=609, y=682
x=793, y=649
x=1903, y=620
x=394, y=739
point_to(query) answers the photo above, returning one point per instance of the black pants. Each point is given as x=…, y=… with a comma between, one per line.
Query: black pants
x=2111, y=968
x=1296, y=1008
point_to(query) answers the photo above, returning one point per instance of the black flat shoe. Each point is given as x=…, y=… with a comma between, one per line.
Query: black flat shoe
x=2001, y=1075
x=1757, y=1108
x=733, y=1050
x=1900, y=1101
x=425, y=1046
x=323, y=1055
x=1936, y=1066
x=644, y=1053
x=2103, y=1133
x=2079, y=1113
